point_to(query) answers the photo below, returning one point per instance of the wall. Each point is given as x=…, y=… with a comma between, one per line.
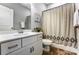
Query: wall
x=20, y=13
x=77, y=5
x=36, y=13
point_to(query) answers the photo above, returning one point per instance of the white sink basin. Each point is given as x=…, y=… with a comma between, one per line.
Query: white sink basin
x=47, y=41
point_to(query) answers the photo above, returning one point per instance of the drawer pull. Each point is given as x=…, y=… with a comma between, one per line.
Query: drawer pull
x=31, y=49
x=12, y=46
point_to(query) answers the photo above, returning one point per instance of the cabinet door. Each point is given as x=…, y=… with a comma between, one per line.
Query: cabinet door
x=38, y=48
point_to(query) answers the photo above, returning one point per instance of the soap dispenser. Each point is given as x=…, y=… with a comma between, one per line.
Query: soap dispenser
x=22, y=24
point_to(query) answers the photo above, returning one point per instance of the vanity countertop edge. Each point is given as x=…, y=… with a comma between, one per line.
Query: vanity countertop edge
x=10, y=37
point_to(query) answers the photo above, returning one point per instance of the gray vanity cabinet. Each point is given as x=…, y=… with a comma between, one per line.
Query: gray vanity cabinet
x=31, y=45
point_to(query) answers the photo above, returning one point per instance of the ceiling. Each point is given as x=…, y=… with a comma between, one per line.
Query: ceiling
x=47, y=4
x=28, y=5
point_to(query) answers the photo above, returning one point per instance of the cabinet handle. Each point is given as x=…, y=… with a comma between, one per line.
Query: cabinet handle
x=12, y=46
x=30, y=50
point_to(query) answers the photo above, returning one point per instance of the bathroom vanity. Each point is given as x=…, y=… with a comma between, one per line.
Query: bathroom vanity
x=27, y=43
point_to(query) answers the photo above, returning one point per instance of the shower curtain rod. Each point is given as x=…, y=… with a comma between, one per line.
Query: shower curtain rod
x=55, y=7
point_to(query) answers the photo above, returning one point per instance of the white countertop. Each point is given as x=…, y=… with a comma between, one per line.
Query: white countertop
x=6, y=36
x=67, y=48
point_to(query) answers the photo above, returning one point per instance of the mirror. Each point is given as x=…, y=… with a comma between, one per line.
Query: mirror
x=6, y=18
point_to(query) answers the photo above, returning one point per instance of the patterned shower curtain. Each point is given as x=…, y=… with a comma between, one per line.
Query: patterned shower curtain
x=58, y=23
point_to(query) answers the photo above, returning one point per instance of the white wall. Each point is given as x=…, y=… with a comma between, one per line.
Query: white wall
x=77, y=5
x=36, y=12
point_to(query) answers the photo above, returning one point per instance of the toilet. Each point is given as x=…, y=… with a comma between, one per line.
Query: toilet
x=46, y=44
x=47, y=41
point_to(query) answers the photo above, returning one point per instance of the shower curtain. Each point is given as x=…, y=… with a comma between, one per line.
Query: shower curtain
x=46, y=23
x=58, y=22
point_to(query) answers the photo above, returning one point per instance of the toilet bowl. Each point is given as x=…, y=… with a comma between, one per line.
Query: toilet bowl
x=46, y=44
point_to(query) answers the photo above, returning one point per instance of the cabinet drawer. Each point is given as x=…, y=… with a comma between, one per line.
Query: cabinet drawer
x=10, y=46
x=22, y=51
x=28, y=40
